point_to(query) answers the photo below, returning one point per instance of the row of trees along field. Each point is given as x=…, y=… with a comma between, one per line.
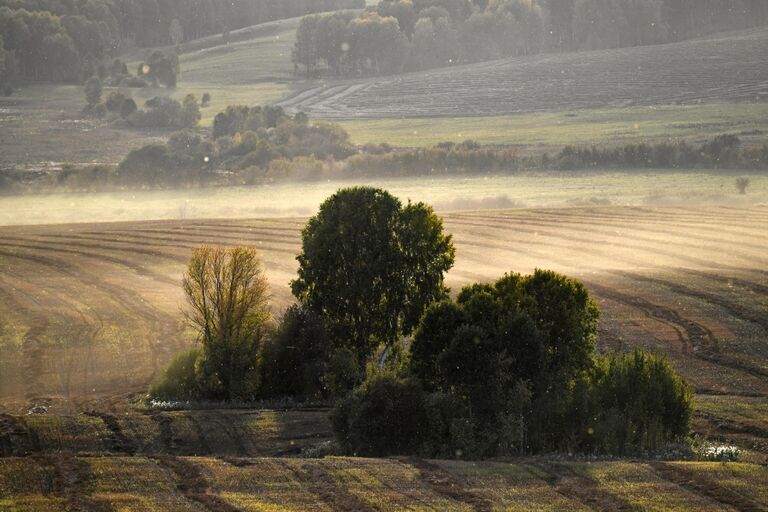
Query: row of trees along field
x=402, y=35
x=64, y=40
x=506, y=368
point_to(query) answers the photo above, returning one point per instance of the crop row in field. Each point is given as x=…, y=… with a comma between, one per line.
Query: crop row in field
x=720, y=68
x=175, y=483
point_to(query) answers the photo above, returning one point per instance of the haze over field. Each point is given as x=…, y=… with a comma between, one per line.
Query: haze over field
x=384, y=255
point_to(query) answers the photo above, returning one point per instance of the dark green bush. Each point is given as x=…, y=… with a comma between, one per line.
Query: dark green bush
x=342, y=373
x=385, y=416
x=178, y=381
x=638, y=403
x=293, y=360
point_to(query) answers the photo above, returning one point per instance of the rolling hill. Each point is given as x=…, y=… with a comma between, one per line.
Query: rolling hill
x=728, y=67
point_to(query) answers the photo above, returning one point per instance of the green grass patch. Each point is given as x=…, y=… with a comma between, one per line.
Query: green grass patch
x=610, y=126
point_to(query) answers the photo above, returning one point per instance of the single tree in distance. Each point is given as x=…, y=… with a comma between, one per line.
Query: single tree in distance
x=93, y=91
x=228, y=307
x=742, y=184
x=370, y=266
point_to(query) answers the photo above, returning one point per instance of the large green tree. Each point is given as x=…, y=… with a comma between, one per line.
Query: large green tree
x=370, y=267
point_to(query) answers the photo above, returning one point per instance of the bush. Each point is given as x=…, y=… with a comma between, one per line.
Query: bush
x=178, y=381
x=343, y=372
x=115, y=101
x=385, y=416
x=293, y=360
x=639, y=405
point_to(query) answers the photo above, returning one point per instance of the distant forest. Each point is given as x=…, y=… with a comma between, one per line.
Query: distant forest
x=407, y=35
x=66, y=40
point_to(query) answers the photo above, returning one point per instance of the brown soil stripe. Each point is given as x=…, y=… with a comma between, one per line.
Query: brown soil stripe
x=321, y=483
x=193, y=483
x=448, y=485
x=118, y=441
x=737, y=310
x=72, y=481
x=583, y=489
x=706, y=487
x=635, y=229
x=591, y=246
x=704, y=343
x=139, y=269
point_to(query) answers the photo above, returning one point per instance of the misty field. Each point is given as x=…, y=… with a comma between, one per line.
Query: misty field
x=94, y=310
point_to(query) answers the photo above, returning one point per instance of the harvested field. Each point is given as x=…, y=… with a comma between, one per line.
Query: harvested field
x=720, y=68
x=233, y=433
x=94, y=310
x=344, y=484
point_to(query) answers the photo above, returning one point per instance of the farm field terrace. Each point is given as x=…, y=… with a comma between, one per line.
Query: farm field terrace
x=57, y=481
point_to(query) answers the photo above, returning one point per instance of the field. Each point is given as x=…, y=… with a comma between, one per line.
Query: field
x=92, y=311
x=162, y=482
x=691, y=90
x=720, y=68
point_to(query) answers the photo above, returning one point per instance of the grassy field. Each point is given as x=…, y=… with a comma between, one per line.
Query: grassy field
x=550, y=131
x=342, y=484
x=717, y=69
x=94, y=310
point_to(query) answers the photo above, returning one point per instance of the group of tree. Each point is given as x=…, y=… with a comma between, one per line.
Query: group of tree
x=67, y=41
x=158, y=112
x=401, y=35
x=504, y=368
x=244, y=139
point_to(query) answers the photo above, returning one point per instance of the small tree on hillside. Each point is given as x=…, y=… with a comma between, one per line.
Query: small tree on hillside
x=227, y=293
x=93, y=91
x=742, y=184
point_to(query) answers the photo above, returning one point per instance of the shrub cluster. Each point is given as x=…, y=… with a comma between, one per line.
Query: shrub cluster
x=510, y=369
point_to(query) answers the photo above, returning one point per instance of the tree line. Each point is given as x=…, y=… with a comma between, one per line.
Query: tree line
x=254, y=145
x=504, y=368
x=54, y=40
x=406, y=35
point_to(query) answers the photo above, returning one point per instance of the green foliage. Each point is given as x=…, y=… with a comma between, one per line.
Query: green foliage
x=227, y=294
x=115, y=101
x=293, y=360
x=516, y=360
x=370, y=266
x=385, y=416
x=423, y=34
x=342, y=373
x=92, y=91
x=636, y=403
x=178, y=380
x=190, y=112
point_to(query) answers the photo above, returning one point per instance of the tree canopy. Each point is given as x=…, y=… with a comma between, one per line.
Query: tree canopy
x=370, y=266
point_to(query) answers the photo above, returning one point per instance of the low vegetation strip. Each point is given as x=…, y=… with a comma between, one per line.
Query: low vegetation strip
x=178, y=483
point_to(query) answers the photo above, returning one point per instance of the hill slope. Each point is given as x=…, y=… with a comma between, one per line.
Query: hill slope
x=721, y=68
